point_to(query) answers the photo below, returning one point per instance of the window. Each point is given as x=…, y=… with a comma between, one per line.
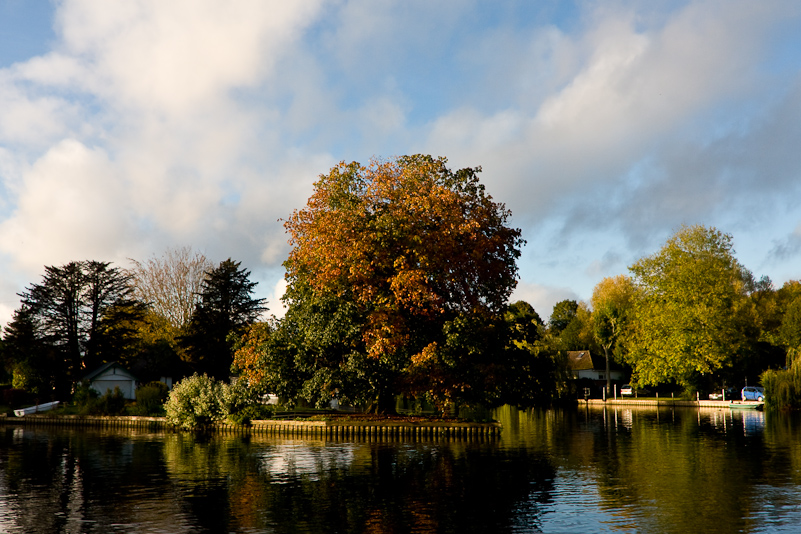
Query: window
x=601, y=376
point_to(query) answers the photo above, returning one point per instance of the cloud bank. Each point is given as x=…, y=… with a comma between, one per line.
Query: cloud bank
x=603, y=126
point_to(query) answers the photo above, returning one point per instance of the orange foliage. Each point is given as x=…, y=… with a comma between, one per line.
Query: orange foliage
x=409, y=241
x=247, y=354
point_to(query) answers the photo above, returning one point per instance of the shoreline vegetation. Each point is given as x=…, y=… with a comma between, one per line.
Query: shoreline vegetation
x=397, y=287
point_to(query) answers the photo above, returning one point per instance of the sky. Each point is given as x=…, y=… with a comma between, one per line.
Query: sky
x=129, y=128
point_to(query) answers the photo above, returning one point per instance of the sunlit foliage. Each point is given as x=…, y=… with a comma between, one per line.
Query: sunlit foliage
x=612, y=302
x=393, y=265
x=685, y=322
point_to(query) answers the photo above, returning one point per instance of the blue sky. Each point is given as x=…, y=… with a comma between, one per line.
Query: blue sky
x=127, y=128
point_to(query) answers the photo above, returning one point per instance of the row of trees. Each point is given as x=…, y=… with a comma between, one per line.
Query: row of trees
x=398, y=281
x=690, y=316
x=170, y=316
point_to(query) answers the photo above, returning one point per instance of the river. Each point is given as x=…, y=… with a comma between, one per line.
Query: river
x=588, y=470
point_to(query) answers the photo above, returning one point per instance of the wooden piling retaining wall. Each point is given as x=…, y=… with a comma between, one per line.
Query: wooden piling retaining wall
x=300, y=429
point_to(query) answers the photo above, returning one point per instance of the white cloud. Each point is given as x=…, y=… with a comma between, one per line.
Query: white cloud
x=175, y=56
x=155, y=124
x=636, y=87
x=67, y=208
x=276, y=306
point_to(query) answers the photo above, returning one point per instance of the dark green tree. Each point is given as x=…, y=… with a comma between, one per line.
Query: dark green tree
x=30, y=361
x=225, y=311
x=563, y=312
x=72, y=312
x=532, y=370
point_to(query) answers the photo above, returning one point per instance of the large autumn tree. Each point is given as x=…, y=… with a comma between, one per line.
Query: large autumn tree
x=394, y=267
x=686, y=318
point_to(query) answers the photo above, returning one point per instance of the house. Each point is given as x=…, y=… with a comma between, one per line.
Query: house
x=584, y=365
x=111, y=375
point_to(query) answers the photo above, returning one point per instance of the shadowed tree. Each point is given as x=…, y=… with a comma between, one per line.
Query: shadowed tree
x=72, y=311
x=225, y=310
x=563, y=312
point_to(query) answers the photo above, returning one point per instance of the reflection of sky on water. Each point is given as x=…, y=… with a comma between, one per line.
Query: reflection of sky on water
x=752, y=422
x=285, y=462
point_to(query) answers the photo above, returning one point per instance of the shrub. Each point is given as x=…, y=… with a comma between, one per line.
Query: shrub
x=90, y=402
x=150, y=398
x=200, y=400
x=85, y=398
x=195, y=401
x=112, y=402
x=253, y=412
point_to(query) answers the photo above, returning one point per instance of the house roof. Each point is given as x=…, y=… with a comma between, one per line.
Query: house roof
x=104, y=368
x=582, y=360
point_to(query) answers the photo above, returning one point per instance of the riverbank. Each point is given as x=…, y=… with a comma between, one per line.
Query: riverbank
x=674, y=403
x=335, y=428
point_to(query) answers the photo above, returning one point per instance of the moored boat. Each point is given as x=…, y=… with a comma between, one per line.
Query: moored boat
x=36, y=409
x=746, y=405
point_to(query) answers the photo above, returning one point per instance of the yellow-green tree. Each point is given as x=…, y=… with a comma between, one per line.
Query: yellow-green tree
x=612, y=302
x=685, y=322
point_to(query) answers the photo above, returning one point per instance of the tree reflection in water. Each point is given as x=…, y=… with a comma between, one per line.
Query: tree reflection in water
x=587, y=470
x=90, y=481
x=668, y=470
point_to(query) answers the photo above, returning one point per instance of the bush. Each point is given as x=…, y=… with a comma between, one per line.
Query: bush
x=112, y=402
x=150, y=398
x=195, y=401
x=200, y=400
x=85, y=398
x=253, y=412
x=90, y=402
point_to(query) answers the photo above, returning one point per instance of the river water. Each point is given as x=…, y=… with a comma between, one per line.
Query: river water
x=588, y=470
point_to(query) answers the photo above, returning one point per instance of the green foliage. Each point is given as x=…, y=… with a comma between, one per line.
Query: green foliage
x=90, y=402
x=685, y=321
x=34, y=364
x=563, y=313
x=578, y=334
x=253, y=412
x=783, y=387
x=150, y=398
x=790, y=330
x=194, y=402
x=200, y=400
x=71, y=305
x=112, y=402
